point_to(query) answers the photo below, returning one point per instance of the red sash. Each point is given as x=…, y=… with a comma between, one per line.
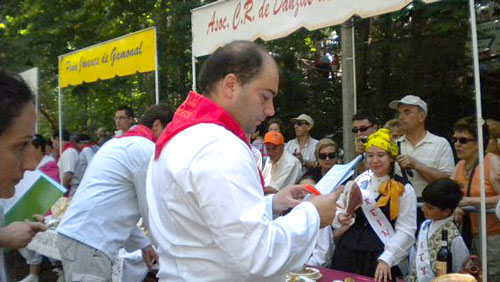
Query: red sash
x=85, y=146
x=139, y=130
x=69, y=145
x=198, y=109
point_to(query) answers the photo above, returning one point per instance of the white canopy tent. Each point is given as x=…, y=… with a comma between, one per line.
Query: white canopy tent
x=221, y=22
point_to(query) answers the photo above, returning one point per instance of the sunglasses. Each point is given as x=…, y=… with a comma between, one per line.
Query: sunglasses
x=301, y=122
x=323, y=156
x=360, y=129
x=462, y=140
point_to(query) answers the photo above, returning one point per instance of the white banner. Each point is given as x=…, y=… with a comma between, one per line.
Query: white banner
x=219, y=23
x=31, y=78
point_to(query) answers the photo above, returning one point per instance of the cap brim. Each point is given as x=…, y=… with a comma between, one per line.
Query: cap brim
x=394, y=104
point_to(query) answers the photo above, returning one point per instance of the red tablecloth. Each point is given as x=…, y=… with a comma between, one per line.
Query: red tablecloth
x=330, y=275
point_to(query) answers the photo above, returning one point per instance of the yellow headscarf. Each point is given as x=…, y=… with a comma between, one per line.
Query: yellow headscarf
x=390, y=189
x=382, y=140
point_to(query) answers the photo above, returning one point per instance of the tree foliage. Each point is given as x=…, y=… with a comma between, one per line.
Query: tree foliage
x=421, y=49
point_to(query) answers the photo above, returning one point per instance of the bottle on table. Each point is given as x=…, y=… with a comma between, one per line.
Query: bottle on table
x=443, y=258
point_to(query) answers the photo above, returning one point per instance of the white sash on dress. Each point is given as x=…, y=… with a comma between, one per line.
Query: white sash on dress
x=377, y=219
x=423, y=259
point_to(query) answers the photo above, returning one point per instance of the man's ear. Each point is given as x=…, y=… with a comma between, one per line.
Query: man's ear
x=230, y=85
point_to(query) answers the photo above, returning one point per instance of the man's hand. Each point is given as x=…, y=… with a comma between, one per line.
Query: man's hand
x=289, y=197
x=360, y=145
x=326, y=207
x=458, y=215
x=149, y=256
x=383, y=272
x=270, y=190
x=18, y=234
x=406, y=161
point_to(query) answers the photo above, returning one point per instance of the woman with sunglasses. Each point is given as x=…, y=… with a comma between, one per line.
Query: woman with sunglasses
x=380, y=232
x=467, y=174
x=327, y=155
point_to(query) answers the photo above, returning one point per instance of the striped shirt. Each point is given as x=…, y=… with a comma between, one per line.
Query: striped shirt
x=433, y=151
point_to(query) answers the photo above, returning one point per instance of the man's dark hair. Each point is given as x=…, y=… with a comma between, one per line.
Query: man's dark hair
x=84, y=138
x=157, y=112
x=14, y=95
x=362, y=115
x=128, y=110
x=65, y=134
x=242, y=58
x=39, y=142
x=443, y=193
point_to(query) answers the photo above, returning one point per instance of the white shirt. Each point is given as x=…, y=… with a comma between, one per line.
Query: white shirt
x=210, y=218
x=457, y=247
x=308, y=152
x=398, y=246
x=86, y=155
x=111, y=198
x=286, y=171
x=258, y=157
x=68, y=163
x=324, y=248
x=433, y=151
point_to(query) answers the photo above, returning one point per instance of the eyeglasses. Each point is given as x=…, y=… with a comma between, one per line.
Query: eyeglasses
x=462, y=140
x=120, y=118
x=360, y=129
x=323, y=156
x=301, y=122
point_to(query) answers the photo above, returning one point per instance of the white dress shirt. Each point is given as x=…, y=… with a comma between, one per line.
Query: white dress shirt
x=433, y=151
x=210, y=219
x=84, y=158
x=286, y=171
x=111, y=198
x=68, y=163
x=457, y=247
x=398, y=246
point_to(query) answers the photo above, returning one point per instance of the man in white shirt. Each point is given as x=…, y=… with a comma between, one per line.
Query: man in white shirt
x=304, y=146
x=208, y=213
x=424, y=157
x=103, y=214
x=282, y=169
x=67, y=162
x=85, y=156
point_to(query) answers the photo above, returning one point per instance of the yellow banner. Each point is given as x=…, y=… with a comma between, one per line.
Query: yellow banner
x=126, y=55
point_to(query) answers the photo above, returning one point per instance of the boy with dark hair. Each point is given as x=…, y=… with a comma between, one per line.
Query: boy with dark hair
x=440, y=200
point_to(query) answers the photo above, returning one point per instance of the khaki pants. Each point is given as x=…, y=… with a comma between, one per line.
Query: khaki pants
x=82, y=263
x=492, y=253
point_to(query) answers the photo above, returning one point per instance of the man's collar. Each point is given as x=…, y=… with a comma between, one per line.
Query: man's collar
x=426, y=139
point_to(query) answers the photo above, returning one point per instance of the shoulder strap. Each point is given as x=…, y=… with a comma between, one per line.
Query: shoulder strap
x=471, y=175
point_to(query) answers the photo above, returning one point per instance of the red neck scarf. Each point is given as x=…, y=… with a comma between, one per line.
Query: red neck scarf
x=198, y=109
x=139, y=130
x=69, y=145
x=85, y=146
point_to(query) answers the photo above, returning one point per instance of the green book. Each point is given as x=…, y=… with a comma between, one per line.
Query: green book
x=35, y=194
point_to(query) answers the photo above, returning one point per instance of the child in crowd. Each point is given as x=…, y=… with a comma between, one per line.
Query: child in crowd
x=440, y=200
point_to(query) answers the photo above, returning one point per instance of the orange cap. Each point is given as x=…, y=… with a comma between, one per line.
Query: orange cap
x=274, y=137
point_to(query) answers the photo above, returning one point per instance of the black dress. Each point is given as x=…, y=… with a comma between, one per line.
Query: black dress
x=358, y=249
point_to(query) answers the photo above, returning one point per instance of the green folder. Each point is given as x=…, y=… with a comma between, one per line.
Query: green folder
x=36, y=194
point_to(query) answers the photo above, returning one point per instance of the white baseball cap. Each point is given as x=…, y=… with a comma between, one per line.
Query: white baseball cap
x=409, y=100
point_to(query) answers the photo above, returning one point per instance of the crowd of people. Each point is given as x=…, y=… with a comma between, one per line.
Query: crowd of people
x=206, y=199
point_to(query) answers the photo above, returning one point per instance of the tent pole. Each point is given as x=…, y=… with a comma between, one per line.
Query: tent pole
x=60, y=119
x=193, y=65
x=480, y=121
x=354, y=89
x=157, y=85
x=347, y=89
